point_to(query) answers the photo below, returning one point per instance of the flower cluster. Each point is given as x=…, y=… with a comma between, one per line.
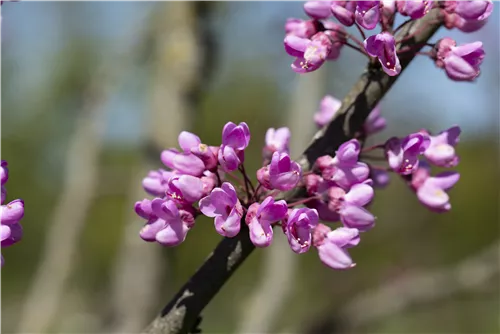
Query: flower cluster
x=204, y=180
x=318, y=39
x=11, y=214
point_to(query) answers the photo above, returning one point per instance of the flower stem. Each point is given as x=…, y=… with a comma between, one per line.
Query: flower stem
x=304, y=200
x=371, y=148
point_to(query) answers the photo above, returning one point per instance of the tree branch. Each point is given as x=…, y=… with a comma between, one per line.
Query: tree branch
x=181, y=313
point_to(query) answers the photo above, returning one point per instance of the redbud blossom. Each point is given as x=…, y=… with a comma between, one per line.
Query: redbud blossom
x=184, y=162
x=402, y=154
x=470, y=17
x=223, y=205
x=432, y=191
x=4, y=172
x=235, y=139
x=415, y=9
x=367, y=14
x=350, y=206
x=299, y=227
x=380, y=178
x=344, y=11
x=441, y=151
x=337, y=34
x=383, y=46
x=473, y=10
x=167, y=224
x=301, y=28
x=277, y=140
x=318, y=9
x=374, y=122
x=260, y=217
x=284, y=173
x=347, y=170
x=462, y=62
x=332, y=245
x=311, y=54
x=156, y=182
x=185, y=189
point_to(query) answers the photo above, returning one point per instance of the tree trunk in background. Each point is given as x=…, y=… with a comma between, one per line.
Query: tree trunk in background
x=280, y=262
x=178, y=60
x=81, y=168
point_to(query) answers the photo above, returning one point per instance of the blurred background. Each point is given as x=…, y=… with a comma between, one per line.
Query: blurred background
x=93, y=91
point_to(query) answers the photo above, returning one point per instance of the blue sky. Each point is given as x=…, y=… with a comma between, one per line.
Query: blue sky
x=35, y=32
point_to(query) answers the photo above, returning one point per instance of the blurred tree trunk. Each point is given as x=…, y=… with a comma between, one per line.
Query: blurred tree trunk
x=178, y=60
x=81, y=168
x=260, y=315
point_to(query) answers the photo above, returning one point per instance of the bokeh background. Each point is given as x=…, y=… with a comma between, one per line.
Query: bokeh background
x=93, y=91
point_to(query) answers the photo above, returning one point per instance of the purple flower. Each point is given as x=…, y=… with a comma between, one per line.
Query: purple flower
x=460, y=19
x=301, y=28
x=318, y=9
x=327, y=109
x=337, y=35
x=156, y=182
x=332, y=245
x=461, y=63
x=402, y=155
x=223, y=205
x=184, y=162
x=415, y=8
x=260, y=217
x=4, y=172
x=474, y=10
x=441, y=151
x=167, y=224
x=299, y=227
x=375, y=122
x=346, y=169
x=235, y=139
x=383, y=46
x=276, y=141
x=185, y=189
x=432, y=191
x=368, y=14
x=344, y=11
x=311, y=54
x=207, y=154
x=350, y=205
x=12, y=213
x=284, y=174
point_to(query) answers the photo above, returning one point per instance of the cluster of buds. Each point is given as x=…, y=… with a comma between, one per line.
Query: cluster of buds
x=11, y=214
x=211, y=180
x=318, y=39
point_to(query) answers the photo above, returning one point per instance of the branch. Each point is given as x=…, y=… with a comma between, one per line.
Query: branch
x=423, y=287
x=181, y=313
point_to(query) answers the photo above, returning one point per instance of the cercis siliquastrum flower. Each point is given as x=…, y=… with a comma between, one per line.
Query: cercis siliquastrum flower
x=306, y=39
x=11, y=230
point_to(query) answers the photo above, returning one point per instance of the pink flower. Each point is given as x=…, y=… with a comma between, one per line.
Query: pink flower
x=235, y=139
x=260, y=217
x=432, y=191
x=184, y=162
x=474, y=10
x=310, y=53
x=185, y=189
x=277, y=140
x=223, y=205
x=461, y=63
x=284, y=173
x=299, y=227
x=383, y=46
x=467, y=16
x=344, y=11
x=4, y=172
x=402, y=155
x=368, y=14
x=302, y=28
x=350, y=206
x=346, y=170
x=441, y=151
x=167, y=224
x=374, y=122
x=337, y=34
x=156, y=182
x=332, y=245
x=318, y=9
x=415, y=8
